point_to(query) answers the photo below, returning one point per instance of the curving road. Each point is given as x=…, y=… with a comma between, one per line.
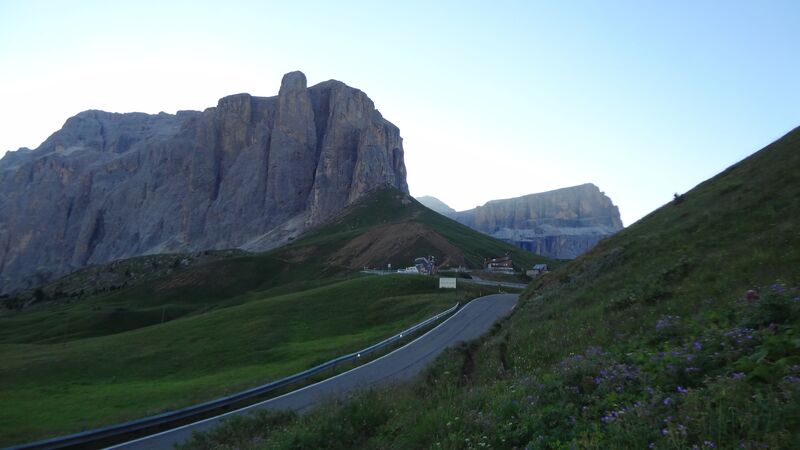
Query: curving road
x=481, y=281
x=468, y=323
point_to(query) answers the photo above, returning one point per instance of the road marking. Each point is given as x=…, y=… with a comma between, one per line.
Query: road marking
x=327, y=380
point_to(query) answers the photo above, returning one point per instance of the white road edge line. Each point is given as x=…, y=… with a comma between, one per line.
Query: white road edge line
x=292, y=392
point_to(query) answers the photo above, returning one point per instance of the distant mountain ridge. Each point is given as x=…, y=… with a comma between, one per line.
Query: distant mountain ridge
x=385, y=227
x=562, y=223
x=436, y=205
x=252, y=172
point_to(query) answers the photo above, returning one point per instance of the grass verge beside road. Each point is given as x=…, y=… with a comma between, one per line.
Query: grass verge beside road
x=57, y=386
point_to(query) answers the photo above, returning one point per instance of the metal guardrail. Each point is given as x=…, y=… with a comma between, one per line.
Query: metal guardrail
x=483, y=282
x=104, y=436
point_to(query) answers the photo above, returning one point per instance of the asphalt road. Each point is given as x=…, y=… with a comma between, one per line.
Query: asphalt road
x=468, y=323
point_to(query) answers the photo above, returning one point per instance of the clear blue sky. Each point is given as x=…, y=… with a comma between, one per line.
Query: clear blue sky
x=493, y=99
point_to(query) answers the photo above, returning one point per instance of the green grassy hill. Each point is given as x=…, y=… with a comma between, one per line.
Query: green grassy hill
x=140, y=336
x=70, y=367
x=389, y=227
x=682, y=331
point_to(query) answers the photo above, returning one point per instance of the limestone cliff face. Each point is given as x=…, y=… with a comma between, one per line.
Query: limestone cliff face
x=251, y=172
x=561, y=224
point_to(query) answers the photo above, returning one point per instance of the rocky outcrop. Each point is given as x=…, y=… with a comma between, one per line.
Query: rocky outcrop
x=251, y=172
x=560, y=224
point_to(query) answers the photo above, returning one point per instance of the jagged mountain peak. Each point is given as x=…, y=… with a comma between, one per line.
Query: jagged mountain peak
x=252, y=170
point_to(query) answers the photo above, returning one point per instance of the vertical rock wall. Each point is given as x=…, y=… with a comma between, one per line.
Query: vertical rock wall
x=252, y=171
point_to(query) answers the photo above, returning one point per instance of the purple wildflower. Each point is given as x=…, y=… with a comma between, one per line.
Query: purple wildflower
x=682, y=390
x=709, y=444
x=667, y=400
x=777, y=288
x=737, y=375
x=740, y=336
x=664, y=431
x=594, y=351
x=609, y=417
x=666, y=321
x=697, y=345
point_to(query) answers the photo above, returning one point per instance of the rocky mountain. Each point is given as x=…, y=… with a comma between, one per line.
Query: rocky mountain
x=560, y=224
x=252, y=172
x=436, y=205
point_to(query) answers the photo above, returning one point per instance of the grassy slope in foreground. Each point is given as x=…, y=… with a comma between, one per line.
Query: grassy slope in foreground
x=57, y=385
x=648, y=341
